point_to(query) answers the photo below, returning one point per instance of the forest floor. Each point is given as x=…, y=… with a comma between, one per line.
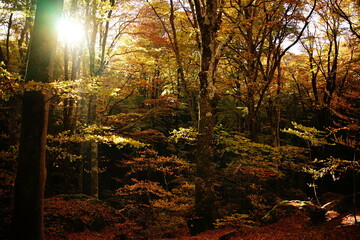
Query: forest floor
x=297, y=227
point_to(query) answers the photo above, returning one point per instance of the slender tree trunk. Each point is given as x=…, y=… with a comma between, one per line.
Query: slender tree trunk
x=66, y=115
x=181, y=74
x=252, y=120
x=275, y=113
x=2, y=56
x=94, y=169
x=89, y=149
x=8, y=39
x=69, y=103
x=93, y=145
x=104, y=40
x=355, y=192
x=274, y=118
x=92, y=119
x=15, y=101
x=81, y=166
x=93, y=148
x=31, y=174
x=313, y=77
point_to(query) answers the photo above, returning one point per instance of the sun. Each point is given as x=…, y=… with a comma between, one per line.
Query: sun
x=71, y=31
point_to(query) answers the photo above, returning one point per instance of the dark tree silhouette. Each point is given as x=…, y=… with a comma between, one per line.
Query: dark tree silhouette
x=31, y=173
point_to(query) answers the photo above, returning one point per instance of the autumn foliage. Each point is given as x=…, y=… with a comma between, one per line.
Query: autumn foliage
x=167, y=111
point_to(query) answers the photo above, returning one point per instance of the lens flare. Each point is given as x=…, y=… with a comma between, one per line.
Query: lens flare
x=71, y=31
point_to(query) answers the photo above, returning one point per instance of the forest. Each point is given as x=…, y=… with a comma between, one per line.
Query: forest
x=179, y=119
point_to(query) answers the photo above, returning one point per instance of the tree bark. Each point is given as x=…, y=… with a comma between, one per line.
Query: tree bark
x=209, y=23
x=31, y=173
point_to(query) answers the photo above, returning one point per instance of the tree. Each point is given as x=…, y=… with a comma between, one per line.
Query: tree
x=266, y=33
x=31, y=173
x=100, y=33
x=329, y=61
x=172, y=34
x=348, y=10
x=208, y=17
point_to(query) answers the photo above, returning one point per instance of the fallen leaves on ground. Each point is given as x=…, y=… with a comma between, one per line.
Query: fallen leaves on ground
x=296, y=227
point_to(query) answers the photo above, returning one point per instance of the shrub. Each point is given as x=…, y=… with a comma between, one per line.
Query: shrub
x=159, y=212
x=76, y=213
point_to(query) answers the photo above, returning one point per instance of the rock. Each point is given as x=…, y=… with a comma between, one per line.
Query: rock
x=339, y=202
x=332, y=201
x=228, y=236
x=197, y=225
x=290, y=207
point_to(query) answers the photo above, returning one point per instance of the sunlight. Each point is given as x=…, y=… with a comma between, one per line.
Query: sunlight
x=71, y=31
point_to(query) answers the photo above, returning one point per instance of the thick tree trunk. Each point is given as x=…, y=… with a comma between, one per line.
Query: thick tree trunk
x=209, y=22
x=31, y=174
x=204, y=186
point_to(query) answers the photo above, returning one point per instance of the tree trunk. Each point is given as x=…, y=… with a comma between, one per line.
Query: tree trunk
x=94, y=169
x=66, y=110
x=252, y=119
x=31, y=173
x=8, y=39
x=69, y=103
x=93, y=148
x=273, y=113
x=209, y=22
x=204, y=186
x=180, y=69
x=89, y=149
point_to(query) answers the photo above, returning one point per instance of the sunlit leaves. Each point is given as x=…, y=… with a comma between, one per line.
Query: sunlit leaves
x=314, y=136
x=159, y=211
x=235, y=220
x=10, y=84
x=150, y=162
x=188, y=135
x=258, y=160
x=146, y=190
x=97, y=134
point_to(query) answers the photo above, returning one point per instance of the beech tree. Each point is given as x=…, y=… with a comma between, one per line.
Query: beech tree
x=182, y=81
x=208, y=16
x=123, y=112
x=31, y=173
x=348, y=10
x=266, y=33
